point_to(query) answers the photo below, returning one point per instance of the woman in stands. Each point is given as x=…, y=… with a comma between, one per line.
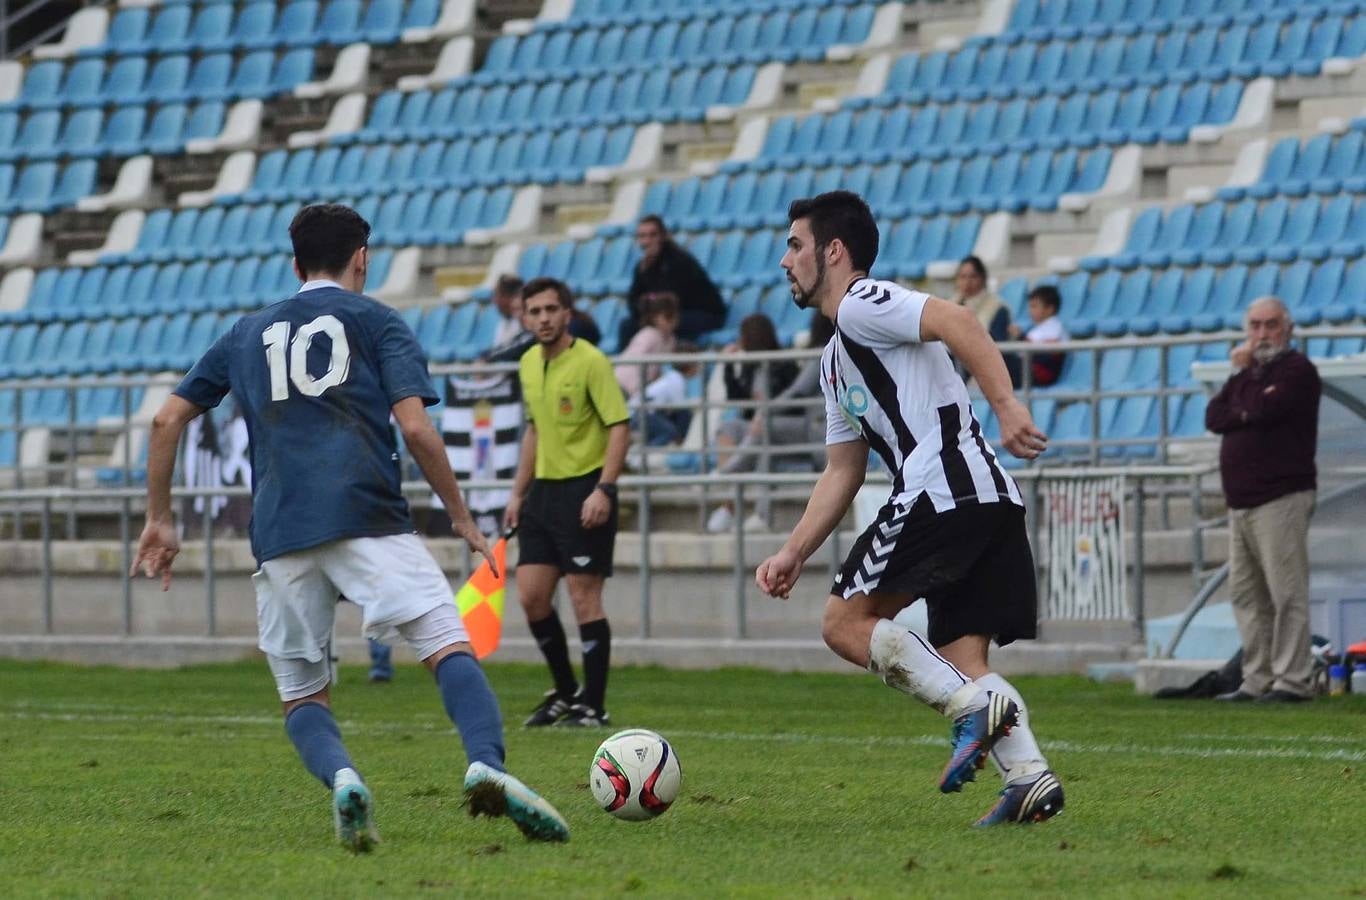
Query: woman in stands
x=971, y=284
x=757, y=381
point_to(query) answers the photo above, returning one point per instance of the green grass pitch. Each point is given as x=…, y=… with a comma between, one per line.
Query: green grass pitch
x=181, y=784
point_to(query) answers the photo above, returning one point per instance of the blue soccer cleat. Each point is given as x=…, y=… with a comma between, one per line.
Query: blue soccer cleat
x=353, y=812
x=1025, y=803
x=492, y=793
x=974, y=734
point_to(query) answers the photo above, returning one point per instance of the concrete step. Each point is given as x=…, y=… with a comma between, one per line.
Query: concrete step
x=444, y=277
x=592, y=214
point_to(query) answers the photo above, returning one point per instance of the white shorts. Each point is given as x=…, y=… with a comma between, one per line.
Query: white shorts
x=393, y=579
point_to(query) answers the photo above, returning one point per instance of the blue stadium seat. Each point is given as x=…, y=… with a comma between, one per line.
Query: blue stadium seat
x=82, y=85
x=295, y=25
x=41, y=88
x=125, y=34
x=1236, y=225
x=81, y=134
x=122, y=134
x=339, y=23
x=166, y=81
x=35, y=138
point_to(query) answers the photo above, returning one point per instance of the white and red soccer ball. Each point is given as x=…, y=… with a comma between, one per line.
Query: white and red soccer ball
x=635, y=775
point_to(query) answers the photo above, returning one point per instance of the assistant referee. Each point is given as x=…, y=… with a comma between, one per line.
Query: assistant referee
x=564, y=499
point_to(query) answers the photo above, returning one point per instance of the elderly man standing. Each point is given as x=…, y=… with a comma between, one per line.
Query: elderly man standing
x=1267, y=414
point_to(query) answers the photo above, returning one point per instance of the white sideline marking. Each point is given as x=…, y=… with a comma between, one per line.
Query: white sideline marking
x=1061, y=746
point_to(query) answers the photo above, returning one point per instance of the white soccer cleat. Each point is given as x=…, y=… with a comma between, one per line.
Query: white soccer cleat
x=353, y=812
x=492, y=793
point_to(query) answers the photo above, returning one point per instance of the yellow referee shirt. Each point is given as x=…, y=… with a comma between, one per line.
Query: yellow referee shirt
x=572, y=400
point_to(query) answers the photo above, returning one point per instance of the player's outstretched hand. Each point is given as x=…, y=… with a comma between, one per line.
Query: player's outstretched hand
x=1019, y=435
x=595, y=510
x=777, y=575
x=157, y=549
x=471, y=534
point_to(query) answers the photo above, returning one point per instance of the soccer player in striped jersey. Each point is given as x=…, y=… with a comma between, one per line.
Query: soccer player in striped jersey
x=953, y=529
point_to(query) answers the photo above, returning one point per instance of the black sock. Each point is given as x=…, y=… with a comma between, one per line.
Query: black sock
x=597, y=655
x=549, y=635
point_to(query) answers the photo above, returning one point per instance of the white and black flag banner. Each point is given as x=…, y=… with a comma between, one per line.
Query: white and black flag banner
x=216, y=454
x=482, y=428
x=1084, y=525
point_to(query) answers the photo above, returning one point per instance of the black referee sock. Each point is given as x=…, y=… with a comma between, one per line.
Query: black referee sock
x=549, y=635
x=597, y=656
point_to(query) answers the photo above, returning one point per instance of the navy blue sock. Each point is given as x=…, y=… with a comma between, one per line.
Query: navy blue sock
x=470, y=703
x=318, y=739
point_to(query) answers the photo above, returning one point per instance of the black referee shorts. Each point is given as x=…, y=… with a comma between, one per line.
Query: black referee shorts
x=972, y=564
x=549, y=532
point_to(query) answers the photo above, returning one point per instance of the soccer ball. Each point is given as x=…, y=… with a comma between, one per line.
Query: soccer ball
x=635, y=775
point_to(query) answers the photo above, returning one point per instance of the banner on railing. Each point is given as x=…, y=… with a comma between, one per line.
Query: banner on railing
x=482, y=427
x=1083, y=523
x=216, y=455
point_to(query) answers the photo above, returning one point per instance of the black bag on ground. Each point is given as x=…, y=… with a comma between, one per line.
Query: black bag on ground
x=1227, y=677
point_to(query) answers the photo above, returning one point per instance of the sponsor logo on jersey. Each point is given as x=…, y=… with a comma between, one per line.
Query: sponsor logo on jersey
x=853, y=402
x=566, y=406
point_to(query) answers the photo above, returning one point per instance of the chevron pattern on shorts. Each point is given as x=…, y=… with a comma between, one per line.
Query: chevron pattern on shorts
x=870, y=570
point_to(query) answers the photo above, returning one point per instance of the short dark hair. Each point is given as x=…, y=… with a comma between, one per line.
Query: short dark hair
x=843, y=215
x=508, y=285
x=541, y=285
x=977, y=265
x=652, y=219
x=1048, y=295
x=326, y=236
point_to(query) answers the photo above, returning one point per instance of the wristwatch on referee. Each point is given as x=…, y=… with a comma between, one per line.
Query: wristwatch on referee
x=608, y=488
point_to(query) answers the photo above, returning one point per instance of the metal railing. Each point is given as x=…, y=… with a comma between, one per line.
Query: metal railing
x=75, y=452
x=42, y=504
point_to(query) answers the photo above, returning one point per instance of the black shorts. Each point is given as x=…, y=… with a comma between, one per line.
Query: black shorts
x=972, y=564
x=549, y=532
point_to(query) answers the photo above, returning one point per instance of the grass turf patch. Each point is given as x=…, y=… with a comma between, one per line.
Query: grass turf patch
x=182, y=783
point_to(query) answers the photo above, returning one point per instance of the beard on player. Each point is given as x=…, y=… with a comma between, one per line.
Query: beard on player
x=805, y=298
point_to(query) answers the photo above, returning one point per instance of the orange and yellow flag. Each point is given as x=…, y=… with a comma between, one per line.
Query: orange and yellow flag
x=481, y=602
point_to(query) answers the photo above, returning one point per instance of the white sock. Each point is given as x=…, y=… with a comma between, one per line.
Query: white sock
x=1017, y=757
x=908, y=663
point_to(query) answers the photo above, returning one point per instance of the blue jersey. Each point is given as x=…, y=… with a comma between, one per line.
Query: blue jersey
x=316, y=376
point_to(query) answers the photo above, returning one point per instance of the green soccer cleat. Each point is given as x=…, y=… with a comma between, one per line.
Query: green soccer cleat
x=353, y=811
x=492, y=793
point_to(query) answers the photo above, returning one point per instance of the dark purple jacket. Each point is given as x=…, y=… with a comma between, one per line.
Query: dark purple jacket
x=1269, y=418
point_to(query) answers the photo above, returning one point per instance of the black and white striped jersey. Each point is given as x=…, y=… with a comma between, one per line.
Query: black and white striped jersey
x=903, y=397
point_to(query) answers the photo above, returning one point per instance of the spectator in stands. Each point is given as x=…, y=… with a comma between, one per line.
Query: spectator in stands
x=1267, y=414
x=659, y=312
x=582, y=325
x=663, y=418
x=971, y=285
x=756, y=381
x=511, y=339
x=1044, y=304
x=666, y=267
x=507, y=297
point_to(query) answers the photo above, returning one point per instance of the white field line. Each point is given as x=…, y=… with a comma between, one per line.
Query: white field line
x=1060, y=746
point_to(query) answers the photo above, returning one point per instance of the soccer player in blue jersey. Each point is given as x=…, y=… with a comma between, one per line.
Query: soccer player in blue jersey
x=318, y=376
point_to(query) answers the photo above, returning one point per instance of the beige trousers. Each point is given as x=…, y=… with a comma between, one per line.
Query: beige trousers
x=1269, y=581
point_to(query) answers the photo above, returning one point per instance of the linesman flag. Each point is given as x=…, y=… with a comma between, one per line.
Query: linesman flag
x=481, y=601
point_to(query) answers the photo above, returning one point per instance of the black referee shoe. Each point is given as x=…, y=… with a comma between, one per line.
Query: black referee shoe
x=581, y=715
x=551, y=710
